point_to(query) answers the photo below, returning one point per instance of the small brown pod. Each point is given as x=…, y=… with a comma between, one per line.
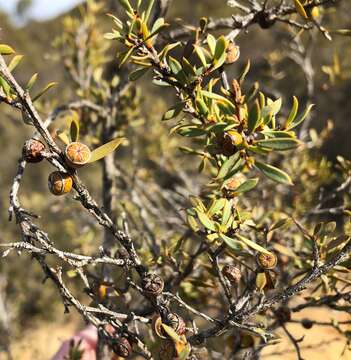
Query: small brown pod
x=32, y=150
x=267, y=261
x=232, y=273
x=77, y=154
x=122, y=347
x=60, y=183
x=152, y=284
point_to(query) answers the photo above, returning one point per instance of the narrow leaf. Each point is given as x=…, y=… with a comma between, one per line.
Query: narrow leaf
x=14, y=62
x=300, y=9
x=105, y=149
x=246, y=186
x=42, y=92
x=293, y=112
x=274, y=173
x=280, y=144
x=205, y=221
x=254, y=117
x=252, y=244
x=6, y=50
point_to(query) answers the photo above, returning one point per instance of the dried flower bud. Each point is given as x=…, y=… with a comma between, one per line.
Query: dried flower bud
x=153, y=284
x=60, y=183
x=32, y=151
x=77, y=154
x=122, y=347
x=267, y=261
x=307, y=323
x=232, y=273
x=233, y=53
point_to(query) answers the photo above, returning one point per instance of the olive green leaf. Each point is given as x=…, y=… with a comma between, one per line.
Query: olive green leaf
x=300, y=9
x=232, y=243
x=211, y=42
x=125, y=56
x=138, y=73
x=150, y=4
x=201, y=106
x=244, y=72
x=205, y=221
x=216, y=205
x=32, y=81
x=6, y=50
x=126, y=5
x=274, y=173
x=14, y=62
x=280, y=144
x=201, y=55
x=5, y=86
x=252, y=244
x=272, y=109
x=227, y=212
x=173, y=112
x=228, y=165
x=74, y=126
x=220, y=52
x=246, y=186
x=293, y=112
x=254, y=117
x=105, y=149
x=298, y=120
x=42, y=92
x=217, y=97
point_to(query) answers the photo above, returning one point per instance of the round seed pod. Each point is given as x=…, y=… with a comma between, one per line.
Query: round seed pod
x=77, y=154
x=232, y=273
x=122, y=347
x=32, y=151
x=267, y=261
x=233, y=53
x=307, y=323
x=152, y=284
x=60, y=183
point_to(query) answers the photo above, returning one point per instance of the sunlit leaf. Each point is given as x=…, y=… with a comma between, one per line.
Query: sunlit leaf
x=274, y=173
x=105, y=149
x=6, y=49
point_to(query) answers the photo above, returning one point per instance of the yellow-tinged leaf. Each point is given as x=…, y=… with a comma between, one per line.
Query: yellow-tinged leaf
x=63, y=137
x=105, y=149
x=6, y=50
x=252, y=244
x=261, y=281
x=171, y=333
x=300, y=9
x=42, y=92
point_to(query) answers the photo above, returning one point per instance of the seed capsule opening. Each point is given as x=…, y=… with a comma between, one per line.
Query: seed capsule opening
x=77, y=154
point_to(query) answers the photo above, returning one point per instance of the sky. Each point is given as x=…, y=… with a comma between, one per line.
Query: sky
x=41, y=9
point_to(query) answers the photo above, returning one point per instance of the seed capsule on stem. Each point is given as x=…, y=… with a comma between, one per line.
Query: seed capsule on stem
x=77, y=154
x=60, y=183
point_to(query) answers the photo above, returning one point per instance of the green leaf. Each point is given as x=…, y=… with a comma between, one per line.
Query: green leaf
x=14, y=62
x=232, y=243
x=216, y=206
x=228, y=165
x=201, y=106
x=6, y=50
x=191, y=131
x=5, y=86
x=293, y=112
x=42, y=92
x=148, y=10
x=205, y=221
x=138, y=73
x=220, y=52
x=280, y=144
x=252, y=244
x=211, y=41
x=300, y=9
x=246, y=186
x=254, y=117
x=244, y=72
x=272, y=109
x=32, y=81
x=201, y=55
x=62, y=135
x=173, y=112
x=126, y=5
x=274, y=173
x=74, y=127
x=125, y=56
x=105, y=149
x=175, y=65
x=217, y=97
x=300, y=119
x=167, y=49
x=261, y=281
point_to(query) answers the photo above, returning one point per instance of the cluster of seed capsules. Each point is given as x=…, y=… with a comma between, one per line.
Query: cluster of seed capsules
x=76, y=154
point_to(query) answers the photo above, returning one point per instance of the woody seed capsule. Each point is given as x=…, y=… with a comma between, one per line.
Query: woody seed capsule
x=152, y=284
x=232, y=273
x=267, y=261
x=122, y=347
x=32, y=151
x=59, y=183
x=77, y=154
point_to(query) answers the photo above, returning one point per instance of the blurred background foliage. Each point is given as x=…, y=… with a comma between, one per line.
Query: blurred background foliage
x=158, y=159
